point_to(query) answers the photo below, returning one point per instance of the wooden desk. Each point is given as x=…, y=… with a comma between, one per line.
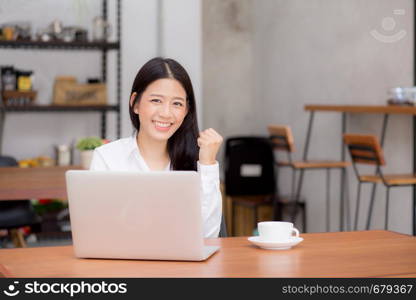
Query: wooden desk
x=386, y=110
x=340, y=254
x=27, y=183
x=376, y=109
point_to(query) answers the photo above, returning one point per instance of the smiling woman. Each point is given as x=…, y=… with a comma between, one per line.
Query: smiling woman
x=163, y=112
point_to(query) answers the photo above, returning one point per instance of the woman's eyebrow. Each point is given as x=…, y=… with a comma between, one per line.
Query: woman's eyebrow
x=163, y=96
x=157, y=95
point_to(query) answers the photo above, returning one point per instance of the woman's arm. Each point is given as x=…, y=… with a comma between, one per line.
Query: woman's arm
x=211, y=199
x=209, y=142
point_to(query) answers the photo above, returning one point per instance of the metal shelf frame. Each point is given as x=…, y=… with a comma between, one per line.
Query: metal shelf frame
x=59, y=108
x=53, y=45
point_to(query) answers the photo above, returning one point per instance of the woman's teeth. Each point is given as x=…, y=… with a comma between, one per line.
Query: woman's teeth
x=160, y=124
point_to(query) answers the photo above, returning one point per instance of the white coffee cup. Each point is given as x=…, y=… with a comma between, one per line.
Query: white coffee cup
x=276, y=231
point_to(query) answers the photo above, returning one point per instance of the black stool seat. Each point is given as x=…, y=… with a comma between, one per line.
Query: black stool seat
x=16, y=213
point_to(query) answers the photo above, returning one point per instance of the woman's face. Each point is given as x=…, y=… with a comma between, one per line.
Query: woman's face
x=161, y=108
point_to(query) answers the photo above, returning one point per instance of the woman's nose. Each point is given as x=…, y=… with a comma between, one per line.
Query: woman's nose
x=165, y=110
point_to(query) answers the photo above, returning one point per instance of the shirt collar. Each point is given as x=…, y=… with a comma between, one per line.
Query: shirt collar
x=134, y=151
x=132, y=144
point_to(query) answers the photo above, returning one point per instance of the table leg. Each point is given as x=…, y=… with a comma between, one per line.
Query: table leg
x=414, y=170
x=383, y=129
x=305, y=157
x=328, y=200
x=373, y=191
x=343, y=172
x=345, y=192
x=297, y=196
x=308, y=136
x=2, y=117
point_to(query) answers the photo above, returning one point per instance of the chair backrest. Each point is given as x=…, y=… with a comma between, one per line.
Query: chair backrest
x=249, y=166
x=282, y=138
x=364, y=149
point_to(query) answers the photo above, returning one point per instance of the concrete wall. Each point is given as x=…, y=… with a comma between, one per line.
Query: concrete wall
x=292, y=53
x=182, y=40
x=228, y=66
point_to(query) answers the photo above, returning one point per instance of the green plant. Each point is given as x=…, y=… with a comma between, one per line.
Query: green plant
x=43, y=206
x=89, y=143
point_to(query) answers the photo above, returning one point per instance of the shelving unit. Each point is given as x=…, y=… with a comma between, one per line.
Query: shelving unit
x=59, y=108
x=103, y=47
x=59, y=45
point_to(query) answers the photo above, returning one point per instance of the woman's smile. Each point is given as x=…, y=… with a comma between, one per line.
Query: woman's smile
x=162, y=126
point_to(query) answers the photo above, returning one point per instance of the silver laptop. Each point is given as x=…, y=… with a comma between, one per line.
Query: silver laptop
x=132, y=215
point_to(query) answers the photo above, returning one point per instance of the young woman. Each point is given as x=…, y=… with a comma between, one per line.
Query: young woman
x=162, y=110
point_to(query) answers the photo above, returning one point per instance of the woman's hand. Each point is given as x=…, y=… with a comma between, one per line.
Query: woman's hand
x=209, y=143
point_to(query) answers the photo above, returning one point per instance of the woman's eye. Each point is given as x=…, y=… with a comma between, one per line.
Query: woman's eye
x=178, y=104
x=156, y=100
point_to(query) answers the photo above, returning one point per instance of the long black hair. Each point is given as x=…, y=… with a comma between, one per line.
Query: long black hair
x=182, y=145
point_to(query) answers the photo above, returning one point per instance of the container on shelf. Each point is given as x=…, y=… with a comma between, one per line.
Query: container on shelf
x=63, y=155
x=67, y=91
x=18, y=98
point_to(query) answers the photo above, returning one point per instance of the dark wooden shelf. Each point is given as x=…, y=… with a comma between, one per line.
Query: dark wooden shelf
x=59, y=45
x=58, y=108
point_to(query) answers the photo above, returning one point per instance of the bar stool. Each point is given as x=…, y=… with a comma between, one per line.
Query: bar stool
x=282, y=139
x=365, y=149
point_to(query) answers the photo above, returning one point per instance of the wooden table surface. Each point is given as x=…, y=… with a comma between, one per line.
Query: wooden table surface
x=340, y=254
x=27, y=183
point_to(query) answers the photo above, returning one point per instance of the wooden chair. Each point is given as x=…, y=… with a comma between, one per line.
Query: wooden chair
x=282, y=139
x=365, y=149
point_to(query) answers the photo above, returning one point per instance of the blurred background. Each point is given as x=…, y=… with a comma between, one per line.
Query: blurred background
x=252, y=64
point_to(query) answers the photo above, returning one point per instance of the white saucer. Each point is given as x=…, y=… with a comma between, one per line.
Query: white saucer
x=275, y=245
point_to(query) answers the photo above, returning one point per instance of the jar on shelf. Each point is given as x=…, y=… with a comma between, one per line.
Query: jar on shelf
x=63, y=155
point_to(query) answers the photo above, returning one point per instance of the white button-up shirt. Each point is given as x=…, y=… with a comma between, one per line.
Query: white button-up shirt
x=124, y=155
